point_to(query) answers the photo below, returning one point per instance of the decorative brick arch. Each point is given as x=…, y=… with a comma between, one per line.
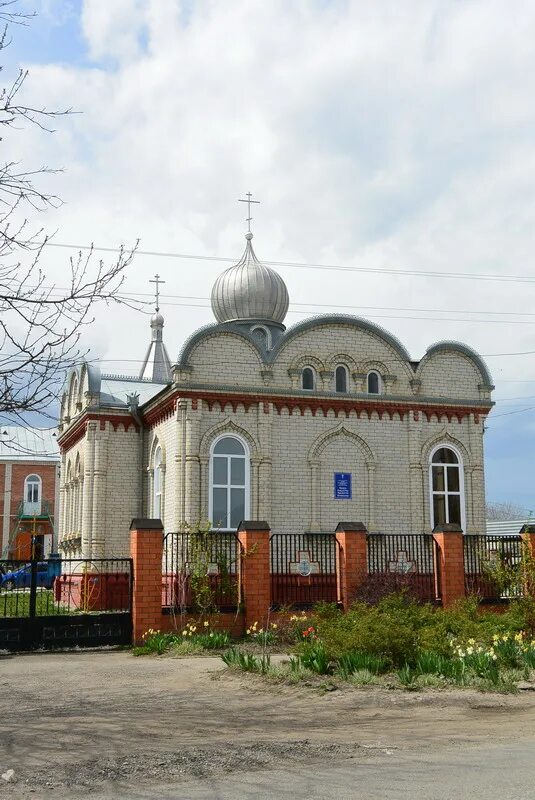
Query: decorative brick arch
x=326, y=438
x=344, y=359
x=156, y=442
x=307, y=361
x=444, y=437
x=314, y=460
x=230, y=427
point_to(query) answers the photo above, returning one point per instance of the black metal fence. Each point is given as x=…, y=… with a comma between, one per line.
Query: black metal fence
x=60, y=586
x=304, y=569
x=60, y=602
x=493, y=566
x=201, y=571
x=405, y=562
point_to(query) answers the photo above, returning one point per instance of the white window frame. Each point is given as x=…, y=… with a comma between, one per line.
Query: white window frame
x=460, y=493
x=212, y=486
x=314, y=378
x=157, y=482
x=346, y=372
x=31, y=508
x=379, y=382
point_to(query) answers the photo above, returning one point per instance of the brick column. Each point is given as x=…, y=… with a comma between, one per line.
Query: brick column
x=528, y=537
x=353, y=567
x=450, y=567
x=256, y=578
x=146, y=546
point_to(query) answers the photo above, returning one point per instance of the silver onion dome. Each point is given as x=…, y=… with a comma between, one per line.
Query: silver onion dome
x=249, y=291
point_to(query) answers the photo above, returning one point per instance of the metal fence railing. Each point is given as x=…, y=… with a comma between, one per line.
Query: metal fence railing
x=201, y=571
x=404, y=562
x=65, y=586
x=493, y=566
x=304, y=569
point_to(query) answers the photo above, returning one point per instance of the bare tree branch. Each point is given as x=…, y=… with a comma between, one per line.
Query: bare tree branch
x=40, y=324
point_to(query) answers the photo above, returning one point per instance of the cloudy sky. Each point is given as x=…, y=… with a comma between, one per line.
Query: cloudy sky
x=377, y=135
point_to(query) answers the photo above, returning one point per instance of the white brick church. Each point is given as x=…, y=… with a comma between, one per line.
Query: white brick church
x=303, y=427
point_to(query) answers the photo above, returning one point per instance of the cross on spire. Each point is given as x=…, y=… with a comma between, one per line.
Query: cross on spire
x=157, y=281
x=248, y=201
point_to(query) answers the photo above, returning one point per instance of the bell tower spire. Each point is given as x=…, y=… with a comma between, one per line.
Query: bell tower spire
x=157, y=364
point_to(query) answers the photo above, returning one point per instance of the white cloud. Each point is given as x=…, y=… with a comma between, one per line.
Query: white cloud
x=375, y=134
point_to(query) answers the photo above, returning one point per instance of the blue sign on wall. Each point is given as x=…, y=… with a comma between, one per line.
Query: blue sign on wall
x=342, y=486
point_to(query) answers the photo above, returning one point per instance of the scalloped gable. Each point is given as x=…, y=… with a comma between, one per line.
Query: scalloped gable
x=458, y=347
x=269, y=356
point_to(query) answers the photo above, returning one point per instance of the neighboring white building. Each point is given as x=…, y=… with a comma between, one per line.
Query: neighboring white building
x=507, y=527
x=330, y=420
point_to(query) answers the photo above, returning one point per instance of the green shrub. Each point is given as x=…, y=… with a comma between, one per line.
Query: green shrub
x=381, y=631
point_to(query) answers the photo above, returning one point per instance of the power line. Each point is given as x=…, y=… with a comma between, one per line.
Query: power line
x=305, y=265
x=335, y=306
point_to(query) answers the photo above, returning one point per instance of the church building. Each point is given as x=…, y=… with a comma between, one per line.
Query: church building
x=328, y=420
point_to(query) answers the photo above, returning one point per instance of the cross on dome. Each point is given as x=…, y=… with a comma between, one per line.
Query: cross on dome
x=157, y=280
x=249, y=217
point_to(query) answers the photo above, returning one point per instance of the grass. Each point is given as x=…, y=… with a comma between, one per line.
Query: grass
x=17, y=604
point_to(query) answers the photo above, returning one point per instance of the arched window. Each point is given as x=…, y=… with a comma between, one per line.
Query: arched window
x=340, y=378
x=374, y=382
x=447, y=492
x=157, y=484
x=32, y=495
x=308, y=379
x=229, y=483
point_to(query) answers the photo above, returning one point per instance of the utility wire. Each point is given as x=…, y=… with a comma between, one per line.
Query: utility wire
x=305, y=265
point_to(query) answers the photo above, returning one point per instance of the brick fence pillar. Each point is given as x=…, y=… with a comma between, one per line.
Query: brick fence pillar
x=353, y=567
x=450, y=541
x=256, y=578
x=146, y=546
x=528, y=537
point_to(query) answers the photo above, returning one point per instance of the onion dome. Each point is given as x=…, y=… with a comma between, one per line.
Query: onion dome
x=250, y=291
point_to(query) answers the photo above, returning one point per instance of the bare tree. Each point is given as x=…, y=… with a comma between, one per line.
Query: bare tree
x=505, y=511
x=40, y=323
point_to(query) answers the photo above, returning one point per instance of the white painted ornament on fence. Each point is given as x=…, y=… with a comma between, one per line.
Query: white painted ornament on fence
x=402, y=563
x=304, y=565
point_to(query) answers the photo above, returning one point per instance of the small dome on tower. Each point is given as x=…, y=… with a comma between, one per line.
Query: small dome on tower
x=250, y=291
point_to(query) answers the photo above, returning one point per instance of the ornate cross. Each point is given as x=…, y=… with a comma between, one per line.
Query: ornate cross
x=157, y=281
x=402, y=563
x=248, y=201
x=304, y=566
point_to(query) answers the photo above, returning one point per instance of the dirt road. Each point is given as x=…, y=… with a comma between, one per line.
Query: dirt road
x=125, y=727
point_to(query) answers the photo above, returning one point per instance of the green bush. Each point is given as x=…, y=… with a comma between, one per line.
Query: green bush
x=388, y=630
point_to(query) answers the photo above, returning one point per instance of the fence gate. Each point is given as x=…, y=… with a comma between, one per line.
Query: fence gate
x=63, y=602
x=304, y=569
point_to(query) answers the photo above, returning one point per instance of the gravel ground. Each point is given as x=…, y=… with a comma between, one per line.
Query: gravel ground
x=112, y=725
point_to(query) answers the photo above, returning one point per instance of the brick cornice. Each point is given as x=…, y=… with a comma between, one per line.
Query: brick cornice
x=383, y=407
x=77, y=432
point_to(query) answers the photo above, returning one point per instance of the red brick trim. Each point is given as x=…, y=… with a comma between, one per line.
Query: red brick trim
x=71, y=437
x=384, y=408
x=162, y=411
